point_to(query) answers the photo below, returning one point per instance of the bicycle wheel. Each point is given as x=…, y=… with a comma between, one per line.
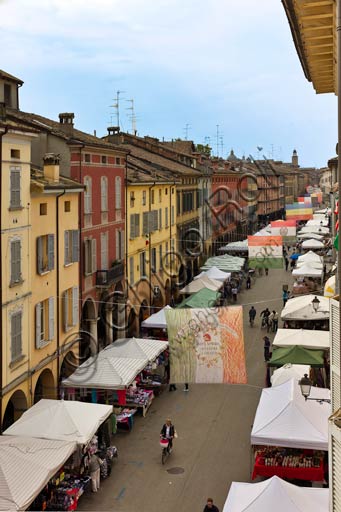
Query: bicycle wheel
x=164, y=455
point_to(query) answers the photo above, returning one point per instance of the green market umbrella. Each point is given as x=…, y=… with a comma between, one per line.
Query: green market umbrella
x=204, y=298
x=296, y=354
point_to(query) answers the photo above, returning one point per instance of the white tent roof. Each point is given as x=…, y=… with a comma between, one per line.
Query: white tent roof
x=320, y=230
x=241, y=245
x=289, y=371
x=200, y=283
x=26, y=465
x=310, y=236
x=301, y=308
x=117, y=365
x=285, y=418
x=313, y=244
x=157, y=320
x=227, y=263
x=317, y=221
x=307, y=270
x=275, y=494
x=303, y=337
x=215, y=273
x=313, y=264
x=61, y=420
x=310, y=256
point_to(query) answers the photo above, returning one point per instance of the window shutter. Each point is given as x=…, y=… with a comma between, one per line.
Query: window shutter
x=15, y=187
x=19, y=334
x=156, y=220
x=75, y=305
x=118, y=192
x=50, y=251
x=104, y=251
x=65, y=299
x=137, y=225
x=75, y=245
x=66, y=248
x=38, y=324
x=104, y=194
x=160, y=218
x=131, y=270
x=40, y=254
x=122, y=246
x=86, y=257
x=166, y=217
x=145, y=228
x=117, y=240
x=172, y=215
x=132, y=226
x=15, y=260
x=51, y=319
x=335, y=358
x=94, y=254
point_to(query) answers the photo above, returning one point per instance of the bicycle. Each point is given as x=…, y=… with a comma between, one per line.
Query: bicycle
x=166, y=451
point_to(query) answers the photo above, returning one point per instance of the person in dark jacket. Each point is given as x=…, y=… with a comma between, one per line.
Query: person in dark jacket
x=267, y=344
x=210, y=507
x=167, y=432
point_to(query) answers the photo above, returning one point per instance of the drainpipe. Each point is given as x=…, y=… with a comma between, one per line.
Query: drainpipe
x=1, y=337
x=58, y=291
x=150, y=246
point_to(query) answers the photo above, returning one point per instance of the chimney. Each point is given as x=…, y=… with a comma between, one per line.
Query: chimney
x=66, y=122
x=113, y=130
x=51, y=167
x=294, y=158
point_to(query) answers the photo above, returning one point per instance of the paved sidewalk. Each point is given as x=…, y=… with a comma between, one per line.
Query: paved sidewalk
x=214, y=424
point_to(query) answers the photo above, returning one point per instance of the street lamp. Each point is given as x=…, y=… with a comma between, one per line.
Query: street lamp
x=305, y=385
x=315, y=302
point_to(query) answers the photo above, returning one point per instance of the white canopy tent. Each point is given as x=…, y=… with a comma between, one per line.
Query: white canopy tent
x=275, y=494
x=200, y=283
x=289, y=371
x=313, y=264
x=61, y=420
x=216, y=274
x=285, y=418
x=318, y=222
x=226, y=262
x=312, y=244
x=26, y=466
x=157, y=320
x=301, y=308
x=117, y=365
x=307, y=270
x=307, y=338
x=240, y=246
x=310, y=256
x=315, y=228
x=310, y=236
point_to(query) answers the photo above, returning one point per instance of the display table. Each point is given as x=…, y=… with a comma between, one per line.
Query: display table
x=314, y=474
x=141, y=400
x=156, y=387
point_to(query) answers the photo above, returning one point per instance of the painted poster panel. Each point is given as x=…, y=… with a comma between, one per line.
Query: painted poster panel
x=206, y=345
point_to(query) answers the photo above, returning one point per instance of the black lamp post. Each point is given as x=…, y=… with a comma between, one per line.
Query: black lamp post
x=315, y=303
x=305, y=385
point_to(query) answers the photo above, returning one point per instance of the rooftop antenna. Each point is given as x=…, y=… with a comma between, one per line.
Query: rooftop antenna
x=221, y=140
x=186, y=130
x=259, y=149
x=217, y=135
x=116, y=106
x=132, y=116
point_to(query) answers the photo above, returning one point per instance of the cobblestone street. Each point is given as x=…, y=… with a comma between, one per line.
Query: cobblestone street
x=213, y=423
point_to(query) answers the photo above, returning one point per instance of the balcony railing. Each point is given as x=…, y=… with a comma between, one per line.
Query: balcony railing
x=110, y=276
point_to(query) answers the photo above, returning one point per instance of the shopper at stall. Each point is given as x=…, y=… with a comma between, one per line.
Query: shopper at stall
x=210, y=507
x=95, y=472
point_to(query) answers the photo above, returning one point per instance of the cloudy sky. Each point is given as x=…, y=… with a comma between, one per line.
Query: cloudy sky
x=184, y=62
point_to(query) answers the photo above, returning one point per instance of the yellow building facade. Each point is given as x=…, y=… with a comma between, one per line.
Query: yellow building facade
x=151, y=244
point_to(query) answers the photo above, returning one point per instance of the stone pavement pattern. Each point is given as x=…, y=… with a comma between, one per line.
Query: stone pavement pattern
x=213, y=423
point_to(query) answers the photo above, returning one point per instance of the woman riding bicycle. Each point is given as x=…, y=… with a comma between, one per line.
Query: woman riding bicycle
x=167, y=432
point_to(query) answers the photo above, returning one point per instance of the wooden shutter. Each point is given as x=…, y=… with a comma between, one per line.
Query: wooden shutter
x=166, y=217
x=132, y=226
x=160, y=218
x=38, y=324
x=335, y=359
x=66, y=248
x=118, y=244
x=40, y=262
x=145, y=226
x=15, y=188
x=118, y=192
x=172, y=215
x=16, y=334
x=131, y=270
x=94, y=254
x=104, y=194
x=65, y=300
x=50, y=252
x=137, y=225
x=75, y=305
x=75, y=245
x=51, y=319
x=15, y=261
x=122, y=245
x=160, y=253
x=335, y=474
x=104, y=251
x=86, y=248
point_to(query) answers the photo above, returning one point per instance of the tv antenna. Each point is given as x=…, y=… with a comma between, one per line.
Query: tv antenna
x=186, y=130
x=132, y=116
x=116, y=106
x=259, y=149
x=218, y=139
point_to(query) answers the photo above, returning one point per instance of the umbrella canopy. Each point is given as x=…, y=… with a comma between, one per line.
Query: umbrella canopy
x=216, y=274
x=117, y=365
x=294, y=256
x=275, y=494
x=329, y=287
x=26, y=466
x=306, y=270
x=285, y=418
x=61, y=420
x=157, y=320
x=201, y=282
x=301, y=308
x=310, y=256
x=310, y=236
x=203, y=299
x=289, y=371
x=312, y=244
x=304, y=337
x=297, y=355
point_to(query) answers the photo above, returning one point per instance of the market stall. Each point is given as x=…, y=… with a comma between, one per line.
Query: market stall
x=312, y=244
x=306, y=312
x=26, y=466
x=235, y=247
x=226, y=263
x=157, y=320
x=275, y=494
x=289, y=371
x=216, y=274
x=203, y=299
x=310, y=256
x=303, y=337
x=201, y=282
x=310, y=236
x=297, y=354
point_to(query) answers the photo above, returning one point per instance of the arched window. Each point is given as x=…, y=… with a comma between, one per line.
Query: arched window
x=87, y=195
x=118, y=192
x=104, y=194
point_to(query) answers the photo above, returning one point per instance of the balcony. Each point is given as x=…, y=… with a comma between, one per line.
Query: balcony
x=105, y=278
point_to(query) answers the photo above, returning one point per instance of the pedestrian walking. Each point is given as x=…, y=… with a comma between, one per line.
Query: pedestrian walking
x=286, y=261
x=266, y=271
x=274, y=321
x=210, y=507
x=95, y=472
x=186, y=388
x=172, y=387
x=285, y=296
x=234, y=293
x=266, y=340
x=270, y=322
x=252, y=315
x=248, y=282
